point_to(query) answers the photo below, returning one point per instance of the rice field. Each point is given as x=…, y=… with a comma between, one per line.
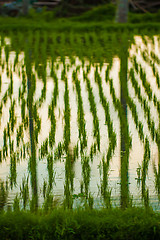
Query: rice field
x=79, y=120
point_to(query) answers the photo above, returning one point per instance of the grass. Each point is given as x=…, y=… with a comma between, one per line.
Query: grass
x=133, y=223
x=99, y=18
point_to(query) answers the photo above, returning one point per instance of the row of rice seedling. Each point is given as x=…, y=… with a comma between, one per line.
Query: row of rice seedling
x=67, y=114
x=3, y=193
x=151, y=61
x=51, y=109
x=51, y=174
x=143, y=78
x=69, y=177
x=93, y=110
x=80, y=113
x=121, y=113
x=150, y=122
x=145, y=164
x=138, y=123
x=104, y=186
x=105, y=104
x=13, y=170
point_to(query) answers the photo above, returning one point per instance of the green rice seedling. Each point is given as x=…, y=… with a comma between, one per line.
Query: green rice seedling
x=48, y=204
x=0, y=156
x=145, y=165
x=7, y=51
x=44, y=148
x=66, y=116
x=58, y=152
x=13, y=170
x=154, y=57
x=76, y=152
x=5, y=145
x=5, y=97
x=105, y=192
x=86, y=173
x=10, y=88
x=81, y=120
x=24, y=192
x=26, y=122
x=23, y=106
x=12, y=117
x=16, y=204
x=36, y=49
x=138, y=170
x=105, y=104
x=69, y=178
x=157, y=179
x=44, y=189
x=19, y=134
x=138, y=124
x=146, y=85
x=50, y=170
x=3, y=194
x=93, y=111
x=0, y=83
x=151, y=124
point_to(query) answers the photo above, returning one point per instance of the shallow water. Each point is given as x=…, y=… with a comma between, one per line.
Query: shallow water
x=136, y=153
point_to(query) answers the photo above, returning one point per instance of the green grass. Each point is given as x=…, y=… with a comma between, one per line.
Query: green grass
x=133, y=223
x=99, y=18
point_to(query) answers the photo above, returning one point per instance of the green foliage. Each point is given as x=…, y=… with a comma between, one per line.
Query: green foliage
x=133, y=224
x=104, y=13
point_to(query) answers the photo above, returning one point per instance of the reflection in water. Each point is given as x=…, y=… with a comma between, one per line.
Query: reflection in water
x=72, y=120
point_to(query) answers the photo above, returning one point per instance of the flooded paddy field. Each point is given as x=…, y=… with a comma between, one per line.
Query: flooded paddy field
x=79, y=120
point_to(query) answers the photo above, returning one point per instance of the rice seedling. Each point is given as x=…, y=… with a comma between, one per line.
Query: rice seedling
x=86, y=173
x=3, y=194
x=105, y=104
x=146, y=159
x=0, y=83
x=94, y=112
x=104, y=188
x=69, y=178
x=66, y=115
x=13, y=170
x=24, y=192
x=81, y=120
x=50, y=170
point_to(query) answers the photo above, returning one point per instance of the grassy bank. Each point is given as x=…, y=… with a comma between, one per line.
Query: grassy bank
x=134, y=223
